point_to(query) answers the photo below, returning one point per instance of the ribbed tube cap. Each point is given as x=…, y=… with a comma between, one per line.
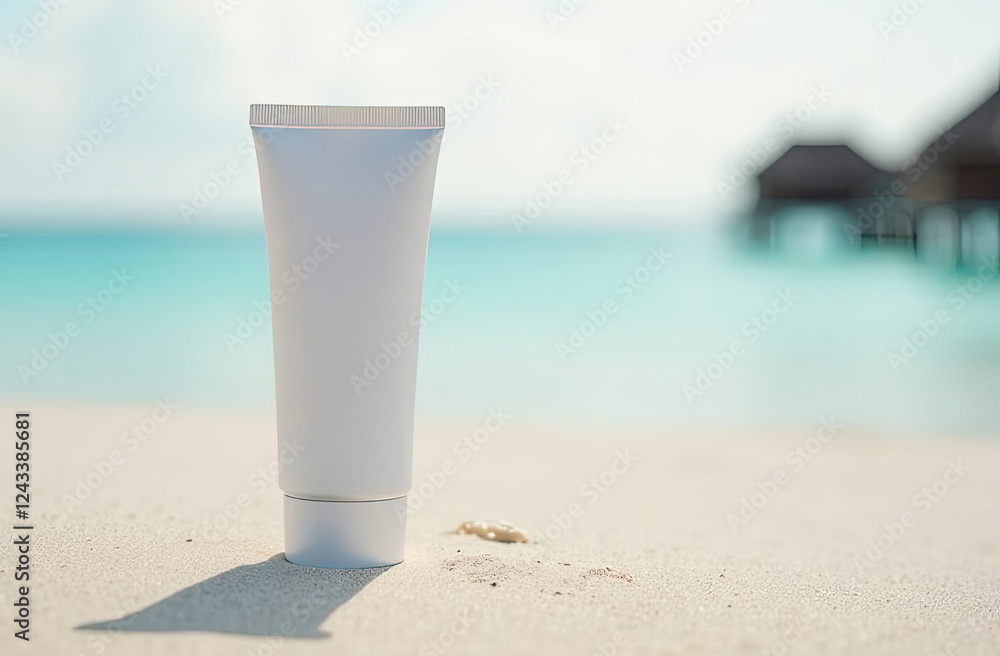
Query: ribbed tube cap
x=345, y=534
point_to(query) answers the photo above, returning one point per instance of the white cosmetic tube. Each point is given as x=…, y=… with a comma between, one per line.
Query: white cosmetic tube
x=346, y=193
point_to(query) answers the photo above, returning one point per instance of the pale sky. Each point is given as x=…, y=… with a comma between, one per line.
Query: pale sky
x=545, y=89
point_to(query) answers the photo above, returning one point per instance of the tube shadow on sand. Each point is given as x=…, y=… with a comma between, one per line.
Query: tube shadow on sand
x=273, y=597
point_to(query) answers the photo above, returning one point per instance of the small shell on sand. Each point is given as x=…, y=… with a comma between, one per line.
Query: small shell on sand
x=499, y=532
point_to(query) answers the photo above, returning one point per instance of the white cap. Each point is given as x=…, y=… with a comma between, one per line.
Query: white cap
x=345, y=534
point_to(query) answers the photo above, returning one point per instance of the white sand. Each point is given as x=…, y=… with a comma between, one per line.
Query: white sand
x=651, y=566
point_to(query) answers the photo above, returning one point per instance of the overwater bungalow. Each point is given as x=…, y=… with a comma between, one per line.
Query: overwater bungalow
x=955, y=183
x=944, y=204
x=832, y=176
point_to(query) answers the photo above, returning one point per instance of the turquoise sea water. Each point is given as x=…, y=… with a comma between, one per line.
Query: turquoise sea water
x=163, y=334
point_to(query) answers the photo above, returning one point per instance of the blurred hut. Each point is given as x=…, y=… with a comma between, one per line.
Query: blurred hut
x=832, y=175
x=956, y=182
x=945, y=204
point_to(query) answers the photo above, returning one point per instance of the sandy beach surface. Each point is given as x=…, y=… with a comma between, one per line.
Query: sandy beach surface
x=168, y=541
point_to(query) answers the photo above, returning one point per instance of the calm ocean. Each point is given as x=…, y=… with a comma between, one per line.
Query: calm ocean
x=827, y=353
